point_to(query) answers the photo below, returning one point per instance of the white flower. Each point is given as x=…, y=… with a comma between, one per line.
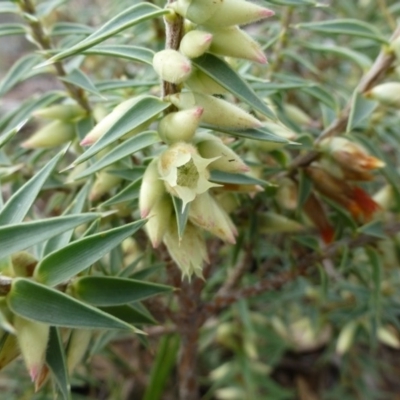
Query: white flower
x=184, y=172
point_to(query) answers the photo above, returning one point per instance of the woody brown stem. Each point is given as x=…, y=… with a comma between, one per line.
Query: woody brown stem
x=43, y=41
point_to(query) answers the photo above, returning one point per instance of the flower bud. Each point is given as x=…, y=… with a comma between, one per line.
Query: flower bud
x=159, y=220
x=350, y=156
x=287, y=194
x=297, y=115
x=385, y=197
x=172, y=66
x=386, y=93
x=23, y=263
x=206, y=213
x=353, y=198
x=388, y=336
x=151, y=190
x=217, y=112
x=64, y=112
x=184, y=172
x=107, y=122
x=210, y=146
x=316, y=213
x=234, y=42
x=189, y=252
x=346, y=337
x=32, y=339
x=77, y=347
x=195, y=43
x=103, y=184
x=51, y=135
x=221, y=13
x=180, y=126
x=200, y=82
x=270, y=222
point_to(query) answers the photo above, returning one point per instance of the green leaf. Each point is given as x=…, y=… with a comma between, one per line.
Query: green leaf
x=27, y=108
x=111, y=291
x=360, y=59
x=65, y=263
x=129, y=193
x=11, y=133
x=361, y=109
x=57, y=242
x=264, y=134
x=129, y=17
x=18, y=72
x=8, y=7
x=126, y=148
x=352, y=27
x=181, y=214
x=373, y=228
x=305, y=188
x=164, y=362
x=70, y=28
x=78, y=78
x=19, y=237
x=142, y=111
x=12, y=29
x=55, y=359
x=20, y=202
x=115, y=84
x=129, y=314
x=235, y=179
x=37, y=302
x=222, y=73
x=132, y=53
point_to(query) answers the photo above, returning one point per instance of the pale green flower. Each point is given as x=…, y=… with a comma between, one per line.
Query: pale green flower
x=184, y=172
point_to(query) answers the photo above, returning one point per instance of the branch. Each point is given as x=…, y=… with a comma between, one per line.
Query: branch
x=303, y=267
x=44, y=42
x=377, y=72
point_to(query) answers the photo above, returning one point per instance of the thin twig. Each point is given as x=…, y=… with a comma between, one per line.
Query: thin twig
x=303, y=267
x=44, y=42
x=377, y=72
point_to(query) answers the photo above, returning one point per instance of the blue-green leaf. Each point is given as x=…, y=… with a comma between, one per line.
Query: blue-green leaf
x=129, y=17
x=37, y=302
x=19, y=237
x=222, y=73
x=65, y=263
x=132, y=53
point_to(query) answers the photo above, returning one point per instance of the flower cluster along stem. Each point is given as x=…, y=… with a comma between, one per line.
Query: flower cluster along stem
x=44, y=41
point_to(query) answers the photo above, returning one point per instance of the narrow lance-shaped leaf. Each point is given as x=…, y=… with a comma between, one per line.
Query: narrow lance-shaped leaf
x=20, y=202
x=80, y=79
x=21, y=236
x=181, y=215
x=125, y=149
x=236, y=179
x=18, y=72
x=55, y=359
x=109, y=291
x=129, y=17
x=37, y=302
x=361, y=109
x=142, y=111
x=222, y=73
x=65, y=263
x=129, y=193
x=345, y=26
x=12, y=29
x=76, y=207
x=132, y=53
